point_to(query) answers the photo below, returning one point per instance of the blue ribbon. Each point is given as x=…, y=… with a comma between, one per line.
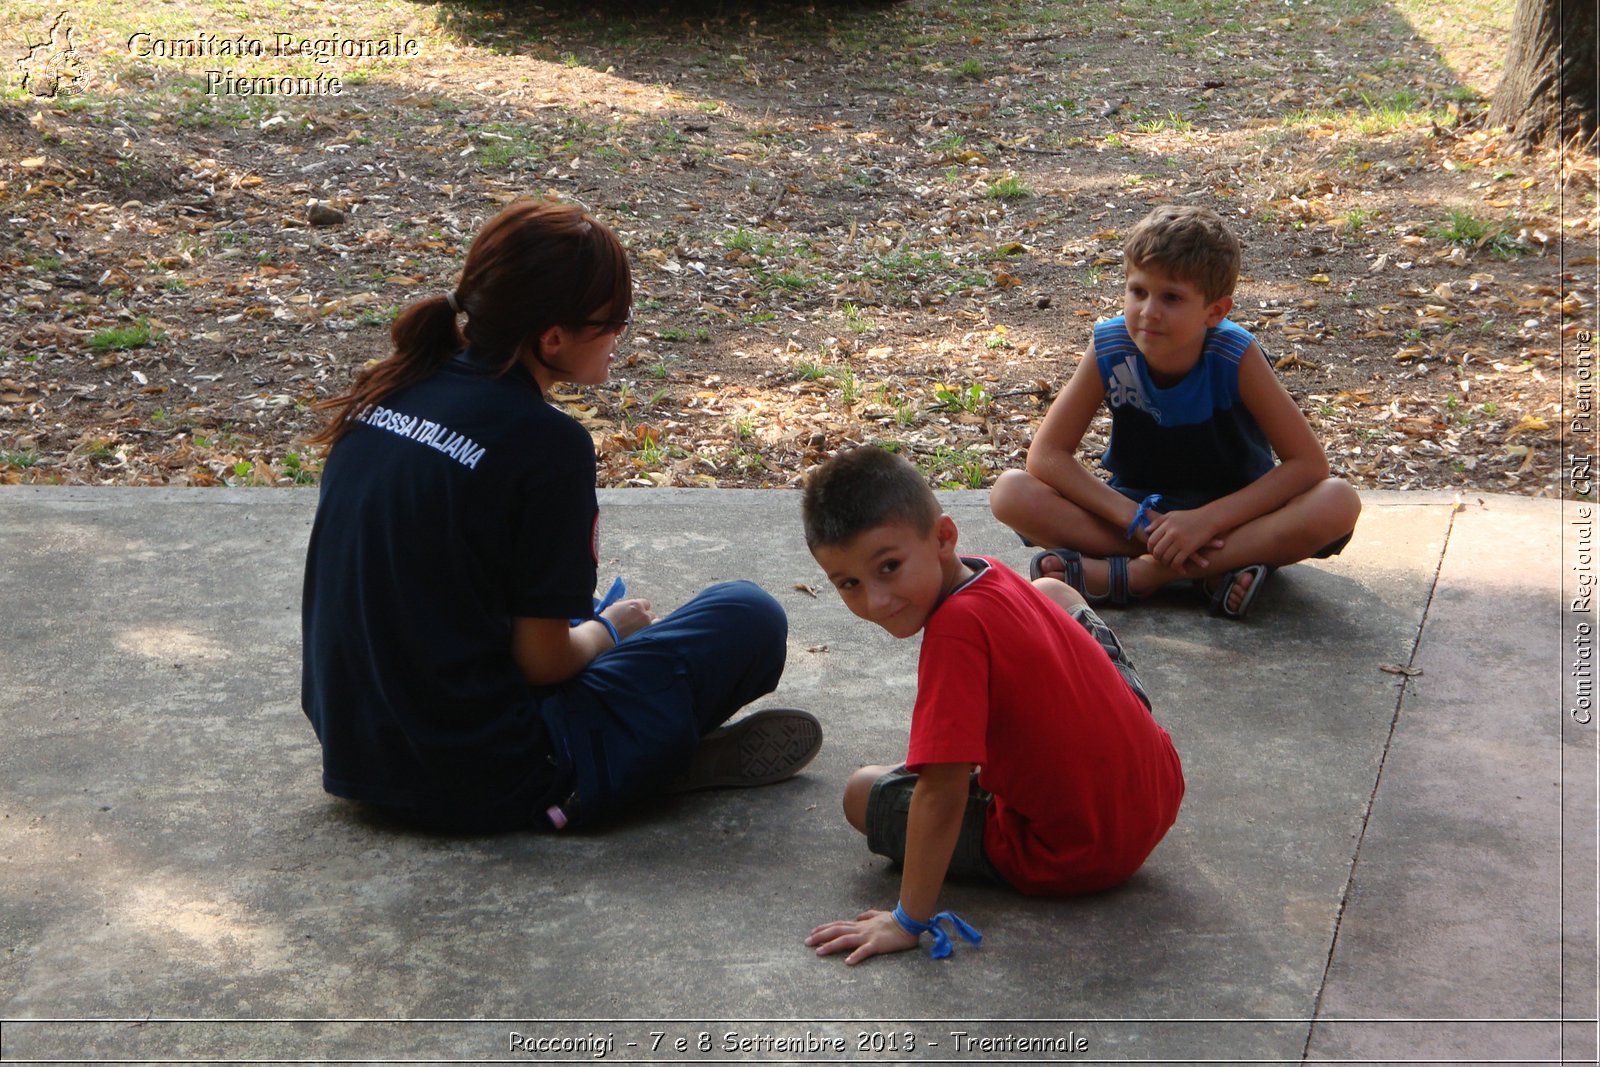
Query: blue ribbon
x=1141, y=518
x=942, y=945
x=618, y=590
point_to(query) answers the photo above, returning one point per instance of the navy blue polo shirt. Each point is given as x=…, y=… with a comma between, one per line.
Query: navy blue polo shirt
x=456, y=505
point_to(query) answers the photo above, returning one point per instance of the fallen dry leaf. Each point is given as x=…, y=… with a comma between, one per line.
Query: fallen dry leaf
x=1395, y=668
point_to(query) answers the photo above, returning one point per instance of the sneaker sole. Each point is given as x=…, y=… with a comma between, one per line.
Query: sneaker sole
x=764, y=747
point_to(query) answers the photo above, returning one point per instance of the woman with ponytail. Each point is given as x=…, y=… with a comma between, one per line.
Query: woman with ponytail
x=456, y=670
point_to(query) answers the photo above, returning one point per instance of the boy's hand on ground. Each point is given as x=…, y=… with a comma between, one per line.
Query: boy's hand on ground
x=1178, y=538
x=871, y=934
x=629, y=616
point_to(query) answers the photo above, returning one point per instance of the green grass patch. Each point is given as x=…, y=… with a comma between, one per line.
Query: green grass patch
x=1173, y=121
x=507, y=147
x=299, y=469
x=857, y=319
x=972, y=398
x=954, y=468
x=378, y=316
x=743, y=240
x=1008, y=188
x=123, y=338
x=1466, y=229
x=1376, y=116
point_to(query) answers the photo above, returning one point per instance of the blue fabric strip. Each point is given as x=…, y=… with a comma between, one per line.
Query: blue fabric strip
x=942, y=945
x=618, y=590
x=1141, y=518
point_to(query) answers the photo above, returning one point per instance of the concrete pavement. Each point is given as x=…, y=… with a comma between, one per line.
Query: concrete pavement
x=1372, y=865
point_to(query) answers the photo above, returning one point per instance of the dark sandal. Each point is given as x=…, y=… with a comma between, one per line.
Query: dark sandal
x=1217, y=600
x=1072, y=563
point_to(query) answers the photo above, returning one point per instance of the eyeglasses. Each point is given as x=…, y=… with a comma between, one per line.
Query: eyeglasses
x=617, y=326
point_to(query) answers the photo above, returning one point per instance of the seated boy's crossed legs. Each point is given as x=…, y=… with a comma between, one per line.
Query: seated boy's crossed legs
x=1315, y=524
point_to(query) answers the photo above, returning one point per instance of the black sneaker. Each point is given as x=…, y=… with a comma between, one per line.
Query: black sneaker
x=765, y=746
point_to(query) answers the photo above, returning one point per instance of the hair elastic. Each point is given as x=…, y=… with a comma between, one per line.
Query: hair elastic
x=450, y=298
x=941, y=946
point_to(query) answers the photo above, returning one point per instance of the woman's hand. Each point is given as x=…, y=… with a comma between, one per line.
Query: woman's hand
x=872, y=933
x=629, y=616
x=550, y=651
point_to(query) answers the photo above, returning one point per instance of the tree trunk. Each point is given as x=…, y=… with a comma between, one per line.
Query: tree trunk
x=1548, y=90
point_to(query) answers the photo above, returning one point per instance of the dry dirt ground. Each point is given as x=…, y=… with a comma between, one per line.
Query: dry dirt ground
x=850, y=222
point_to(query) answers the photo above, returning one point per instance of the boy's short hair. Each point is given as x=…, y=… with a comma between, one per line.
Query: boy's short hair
x=1192, y=244
x=862, y=489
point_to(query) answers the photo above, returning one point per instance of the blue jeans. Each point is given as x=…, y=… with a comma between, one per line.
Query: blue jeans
x=632, y=720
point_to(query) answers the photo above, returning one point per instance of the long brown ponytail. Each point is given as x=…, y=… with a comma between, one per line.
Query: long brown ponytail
x=535, y=265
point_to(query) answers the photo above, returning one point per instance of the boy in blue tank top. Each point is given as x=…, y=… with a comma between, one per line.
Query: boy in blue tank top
x=1216, y=477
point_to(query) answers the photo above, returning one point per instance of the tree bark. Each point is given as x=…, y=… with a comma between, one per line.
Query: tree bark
x=1548, y=90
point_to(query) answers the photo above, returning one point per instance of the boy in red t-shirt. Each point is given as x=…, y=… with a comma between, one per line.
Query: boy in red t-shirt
x=1033, y=759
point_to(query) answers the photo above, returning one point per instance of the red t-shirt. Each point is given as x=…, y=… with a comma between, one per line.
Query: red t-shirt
x=1085, y=782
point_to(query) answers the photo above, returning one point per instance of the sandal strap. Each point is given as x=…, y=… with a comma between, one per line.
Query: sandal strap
x=1218, y=598
x=1071, y=567
x=1073, y=572
x=1117, y=590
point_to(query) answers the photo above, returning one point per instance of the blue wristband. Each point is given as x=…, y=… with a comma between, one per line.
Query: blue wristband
x=618, y=589
x=941, y=946
x=1141, y=518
